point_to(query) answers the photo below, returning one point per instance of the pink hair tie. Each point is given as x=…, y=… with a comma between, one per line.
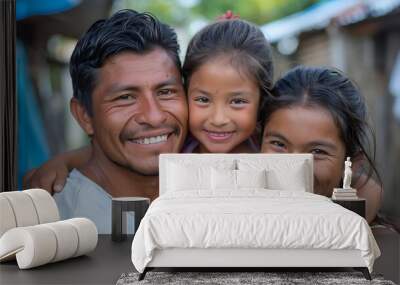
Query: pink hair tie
x=228, y=16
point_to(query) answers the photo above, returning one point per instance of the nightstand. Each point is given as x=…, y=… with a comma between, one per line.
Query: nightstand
x=121, y=205
x=355, y=205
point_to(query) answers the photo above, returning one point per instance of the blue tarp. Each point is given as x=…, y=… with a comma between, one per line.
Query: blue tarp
x=33, y=149
x=27, y=8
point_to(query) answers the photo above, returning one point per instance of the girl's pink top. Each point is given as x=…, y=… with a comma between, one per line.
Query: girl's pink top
x=191, y=144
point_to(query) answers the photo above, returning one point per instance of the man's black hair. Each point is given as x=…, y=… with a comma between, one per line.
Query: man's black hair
x=126, y=30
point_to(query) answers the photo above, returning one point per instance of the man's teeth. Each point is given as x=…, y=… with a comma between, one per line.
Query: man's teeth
x=151, y=140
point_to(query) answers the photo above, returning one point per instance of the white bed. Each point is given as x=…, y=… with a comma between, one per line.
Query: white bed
x=214, y=211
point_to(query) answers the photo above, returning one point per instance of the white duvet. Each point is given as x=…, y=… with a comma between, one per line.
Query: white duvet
x=253, y=218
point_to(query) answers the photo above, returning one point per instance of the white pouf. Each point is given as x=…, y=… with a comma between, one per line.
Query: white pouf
x=7, y=218
x=40, y=244
x=30, y=230
x=45, y=205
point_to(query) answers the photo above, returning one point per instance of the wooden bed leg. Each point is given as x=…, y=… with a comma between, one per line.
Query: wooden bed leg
x=143, y=274
x=364, y=271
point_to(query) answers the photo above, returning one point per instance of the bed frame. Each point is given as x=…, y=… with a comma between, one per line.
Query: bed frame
x=246, y=259
x=249, y=258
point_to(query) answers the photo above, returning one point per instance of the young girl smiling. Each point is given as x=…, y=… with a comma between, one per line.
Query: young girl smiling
x=320, y=111
x=228, y=74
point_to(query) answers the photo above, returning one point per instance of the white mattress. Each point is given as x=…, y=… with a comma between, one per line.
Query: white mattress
x=252, y=218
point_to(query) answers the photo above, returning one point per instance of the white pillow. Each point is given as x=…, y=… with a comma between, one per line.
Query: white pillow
x=228, y=179
x=293, y=180
x=187, y=174
x=223, y=179
x=251, y=179
x=182, y=177
x=282, y=174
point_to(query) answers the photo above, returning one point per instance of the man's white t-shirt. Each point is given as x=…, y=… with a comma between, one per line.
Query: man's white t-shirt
x=81, y=197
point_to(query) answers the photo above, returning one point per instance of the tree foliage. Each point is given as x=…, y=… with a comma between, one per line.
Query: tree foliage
x=257, y=11
x=172, y=12
x=179, y=13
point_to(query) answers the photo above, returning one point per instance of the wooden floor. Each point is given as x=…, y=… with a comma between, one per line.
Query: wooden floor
x=110, y=259
x=389, y=262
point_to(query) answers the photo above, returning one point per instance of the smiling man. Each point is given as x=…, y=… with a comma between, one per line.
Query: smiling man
x=129, y=99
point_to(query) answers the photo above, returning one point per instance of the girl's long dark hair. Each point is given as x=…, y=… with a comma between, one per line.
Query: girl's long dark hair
x=332, y=90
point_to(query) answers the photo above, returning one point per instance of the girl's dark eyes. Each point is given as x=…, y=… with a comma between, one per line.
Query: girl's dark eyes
x=277, y=144
x=318, y=151
x=202, y=100
x=238, y=101
x=233, y=102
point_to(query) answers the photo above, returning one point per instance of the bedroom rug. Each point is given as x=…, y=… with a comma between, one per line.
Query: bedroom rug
x=228, y=278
